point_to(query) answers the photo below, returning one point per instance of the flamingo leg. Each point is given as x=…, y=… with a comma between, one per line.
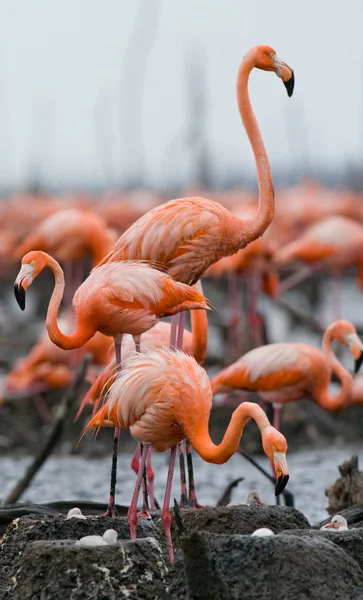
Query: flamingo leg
x=132, y=512
x=165, y=513
x=111, y=509
x=193, y=502
x=173, y=331
x=135, y=461
x=179, y=340
x=183, y=481
x=150, y=480
x=336, y=295
x=145, y=501
x=296, y=278
x=42, y=408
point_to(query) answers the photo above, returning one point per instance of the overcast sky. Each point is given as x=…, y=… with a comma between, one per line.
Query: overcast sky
x=69, y=72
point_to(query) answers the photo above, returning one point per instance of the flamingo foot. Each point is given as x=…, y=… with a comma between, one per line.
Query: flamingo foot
x=144, y=514
x=110, y=512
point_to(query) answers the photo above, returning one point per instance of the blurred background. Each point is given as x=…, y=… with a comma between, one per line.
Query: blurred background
x=113, y=108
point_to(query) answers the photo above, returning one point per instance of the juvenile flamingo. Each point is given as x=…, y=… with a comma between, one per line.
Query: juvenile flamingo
x=117, y=298
x=163, y=397
x=286, y=372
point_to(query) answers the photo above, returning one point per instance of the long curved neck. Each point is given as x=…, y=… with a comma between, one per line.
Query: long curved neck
x=342, y=398
x=199, y=324
x=200, y=439
x=82, y=334
x=249, y=230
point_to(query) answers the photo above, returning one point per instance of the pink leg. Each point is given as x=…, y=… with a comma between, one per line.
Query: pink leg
x=179, y=341
x=135, y=462
x=132, y=513
x=165, y=513
x=173, y=331
x=150, y=480
x=296, y=278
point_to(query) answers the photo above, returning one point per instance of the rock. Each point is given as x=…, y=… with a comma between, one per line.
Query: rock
x=61, y=571
x=348, y=489
x=25, y=530
x=240, y=519
x=351, y=540
x=226, y=567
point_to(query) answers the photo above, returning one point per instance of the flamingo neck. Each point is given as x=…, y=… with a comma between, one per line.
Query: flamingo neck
x=200, y=439
x=82, y=334
x=249, y=230
x=340, y=399
x=199, y=324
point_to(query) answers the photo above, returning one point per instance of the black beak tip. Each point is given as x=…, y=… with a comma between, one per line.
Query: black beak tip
x=281, y=483
x=290, y=84
x=19, y=295
x=358, y=363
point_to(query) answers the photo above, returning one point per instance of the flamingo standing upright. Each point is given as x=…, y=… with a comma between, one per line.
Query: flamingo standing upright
x=163, y=397
x=286, y=372
x=117, y=298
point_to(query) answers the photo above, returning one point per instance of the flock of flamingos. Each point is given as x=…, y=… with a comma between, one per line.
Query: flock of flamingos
x=160, y=392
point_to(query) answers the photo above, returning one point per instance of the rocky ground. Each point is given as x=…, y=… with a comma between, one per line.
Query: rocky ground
x=216, y=558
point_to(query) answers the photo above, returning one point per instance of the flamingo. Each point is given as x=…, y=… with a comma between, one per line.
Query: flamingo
x=286, y=372
x=187, y=235
x=337, y=523
x=194, y=343
x=334, y=243
x=117, y=298
x=163, y=397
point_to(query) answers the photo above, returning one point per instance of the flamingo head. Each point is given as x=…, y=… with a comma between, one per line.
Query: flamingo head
x=337, y=522
x=31, y=265
x=345, y=333
x=275, y=448
x=267, y=60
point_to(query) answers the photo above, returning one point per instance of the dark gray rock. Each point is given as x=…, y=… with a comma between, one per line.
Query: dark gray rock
x=348, y=489
x=240, y=519
x=25, y=530
x=351, y=541
x=284, y=567
x=62, y=571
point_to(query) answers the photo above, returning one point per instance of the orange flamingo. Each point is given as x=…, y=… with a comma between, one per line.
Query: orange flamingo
x=286, y=372
x=117, y=298
x=195, y=344
x=163, y=397
x=187, y=235
x=334, y=243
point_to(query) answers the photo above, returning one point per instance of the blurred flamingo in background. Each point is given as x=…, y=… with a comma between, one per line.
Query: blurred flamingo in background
x=286, y=372
x=163, y=397
x=334, y=243
x=117, y=298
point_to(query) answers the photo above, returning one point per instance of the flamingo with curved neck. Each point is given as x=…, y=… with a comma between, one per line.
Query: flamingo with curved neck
x=286, y=372
x=162, y=397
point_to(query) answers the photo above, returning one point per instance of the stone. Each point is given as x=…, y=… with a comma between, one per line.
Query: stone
x=227, y=567
x=25, y=530
x=351, y=540
x=131, y=569
x=348, y=489
x=242, y=519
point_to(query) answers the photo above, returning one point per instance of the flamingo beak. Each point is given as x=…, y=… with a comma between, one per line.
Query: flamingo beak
x=286, y=74
x=330, y=526
x=356, y=347
x=281, y=471
x=23, y=280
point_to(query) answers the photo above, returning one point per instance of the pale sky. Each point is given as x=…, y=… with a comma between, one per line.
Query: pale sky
x=62, y=67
